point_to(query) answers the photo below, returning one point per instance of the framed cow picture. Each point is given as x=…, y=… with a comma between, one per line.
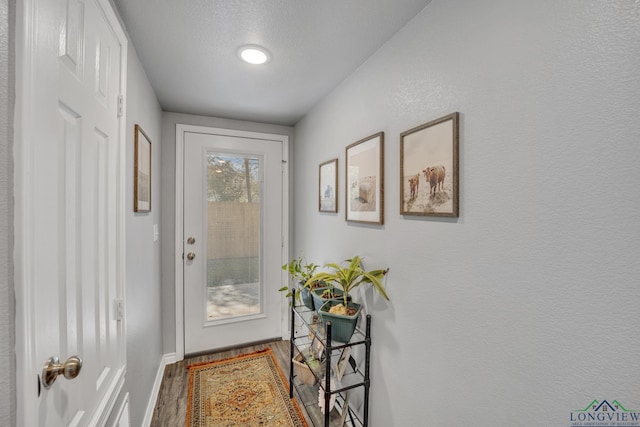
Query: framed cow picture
x=364, y=183
x=429, y=168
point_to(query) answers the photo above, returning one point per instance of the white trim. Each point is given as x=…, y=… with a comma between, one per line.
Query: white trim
x=121, y=225
x=284, y=252
x=181, y=129
x=167, y=359
x=24, y=324
x=103, y=411
x=123, y=410
x=179, y=291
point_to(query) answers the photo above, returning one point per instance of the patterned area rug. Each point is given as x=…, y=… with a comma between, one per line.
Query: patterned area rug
x=248, y=390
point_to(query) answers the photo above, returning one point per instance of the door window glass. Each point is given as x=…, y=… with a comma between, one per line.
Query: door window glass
x=233, y=214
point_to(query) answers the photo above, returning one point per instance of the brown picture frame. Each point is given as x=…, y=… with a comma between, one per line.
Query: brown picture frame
x=429, y=168
x=328, y=186
x=364, y=180
x=141, y=171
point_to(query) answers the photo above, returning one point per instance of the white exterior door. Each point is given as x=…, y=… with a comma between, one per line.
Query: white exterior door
x=233, y=238
x=69, y=209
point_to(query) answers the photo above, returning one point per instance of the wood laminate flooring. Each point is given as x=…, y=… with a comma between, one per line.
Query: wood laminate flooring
x=171, y=406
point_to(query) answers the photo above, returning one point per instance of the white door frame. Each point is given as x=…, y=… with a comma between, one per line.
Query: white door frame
x=25, y=322
x=181, y=129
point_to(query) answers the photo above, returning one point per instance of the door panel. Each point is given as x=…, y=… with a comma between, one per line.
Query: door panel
x=70, y=201
x=233, y=211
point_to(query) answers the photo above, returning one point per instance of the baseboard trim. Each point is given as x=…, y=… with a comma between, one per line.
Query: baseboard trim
x=166, y=359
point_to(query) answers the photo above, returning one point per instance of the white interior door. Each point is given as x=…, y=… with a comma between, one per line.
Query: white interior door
x=233, y=234
x=69, y=209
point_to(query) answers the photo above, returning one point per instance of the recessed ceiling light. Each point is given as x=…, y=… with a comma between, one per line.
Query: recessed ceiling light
x=254, y=54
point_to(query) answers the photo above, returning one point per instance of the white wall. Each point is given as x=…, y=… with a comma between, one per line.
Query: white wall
x=526, y=306
x=143, y=292
x=7, y=302
x=168, y=183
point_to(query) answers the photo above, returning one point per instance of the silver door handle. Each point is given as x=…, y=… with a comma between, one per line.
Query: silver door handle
x=52, y=368
x=191, y=256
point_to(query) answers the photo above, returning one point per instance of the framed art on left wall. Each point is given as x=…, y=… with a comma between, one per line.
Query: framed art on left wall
x=328, y=186
x=142, y=172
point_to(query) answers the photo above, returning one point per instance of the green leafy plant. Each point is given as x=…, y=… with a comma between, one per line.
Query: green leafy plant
x=300, y=271
x=307, y=367
x=312, y=361
x=351, y=276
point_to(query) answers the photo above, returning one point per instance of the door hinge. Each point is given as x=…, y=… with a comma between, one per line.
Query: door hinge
x=120, y=105
x=119, y=309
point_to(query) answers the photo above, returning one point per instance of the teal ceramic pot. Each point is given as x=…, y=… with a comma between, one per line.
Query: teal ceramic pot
x=305, y=295
x=342, y=327
x=318, y=300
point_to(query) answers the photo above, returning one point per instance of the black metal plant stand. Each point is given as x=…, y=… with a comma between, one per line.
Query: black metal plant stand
x=359, y=339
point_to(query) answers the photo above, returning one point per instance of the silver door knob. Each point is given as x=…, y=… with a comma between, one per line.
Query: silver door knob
x=52, y=368
x=191, y=256
x=191, y=240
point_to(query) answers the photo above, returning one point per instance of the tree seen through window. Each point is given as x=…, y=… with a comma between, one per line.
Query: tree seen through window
x=233, y=179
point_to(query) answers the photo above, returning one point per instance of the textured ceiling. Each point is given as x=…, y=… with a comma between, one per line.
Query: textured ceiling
x=189, y=51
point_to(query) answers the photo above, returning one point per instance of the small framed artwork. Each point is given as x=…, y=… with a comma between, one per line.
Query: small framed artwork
x=142, y=172
x=343, y=361
x=345, y=411
x=317, y=348
x=364, y=181
x=429, y=168
x=328, y=187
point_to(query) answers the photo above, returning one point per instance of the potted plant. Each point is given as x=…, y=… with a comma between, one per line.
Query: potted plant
x=307, y=367
x=301, y=271
x=342, y=313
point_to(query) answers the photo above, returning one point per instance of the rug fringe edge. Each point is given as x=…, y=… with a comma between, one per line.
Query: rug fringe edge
x=227, y=359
